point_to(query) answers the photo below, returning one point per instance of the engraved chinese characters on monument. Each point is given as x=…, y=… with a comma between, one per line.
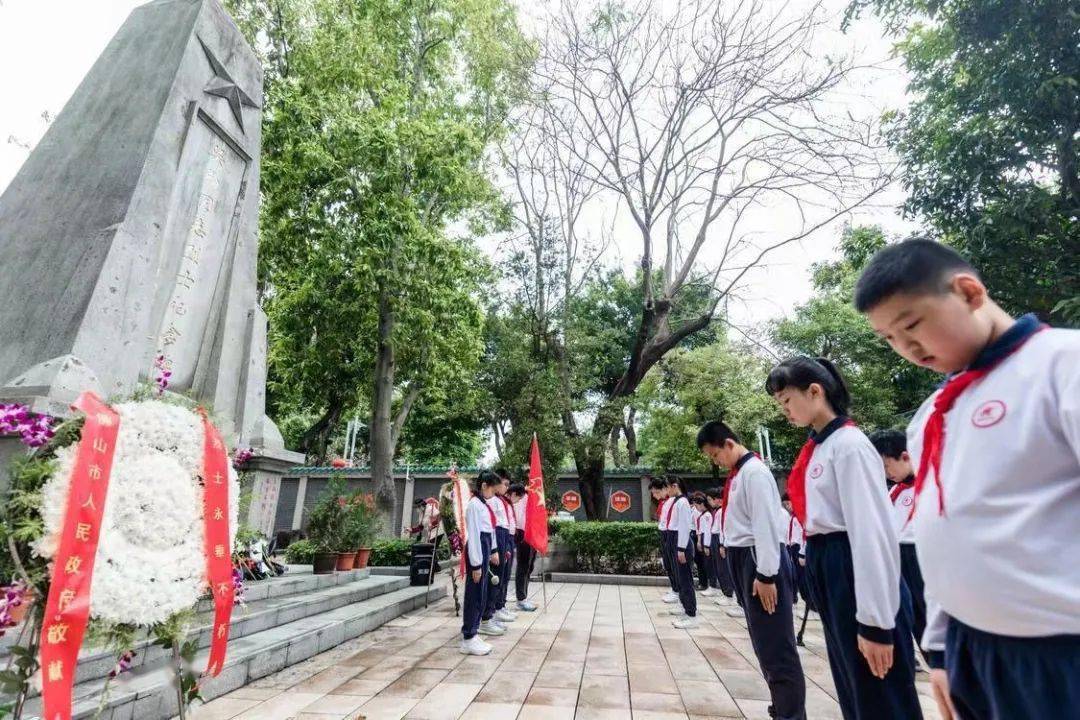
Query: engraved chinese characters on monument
x=131, y=230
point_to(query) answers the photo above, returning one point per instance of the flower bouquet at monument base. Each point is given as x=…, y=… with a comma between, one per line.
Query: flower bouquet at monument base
x=111, y=531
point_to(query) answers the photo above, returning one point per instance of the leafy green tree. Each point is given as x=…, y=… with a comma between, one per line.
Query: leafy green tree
x=718, y=381
x=377, y=122
x=990, y=144
x=885, y=389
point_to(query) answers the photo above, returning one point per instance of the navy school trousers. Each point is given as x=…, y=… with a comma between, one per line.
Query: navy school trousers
x=701, y=562
x=772, y=636
x=800, y=574
x=476, y=593
x=496, y=593
x=687, y=593
x=721, y=569
x=668, y=538
x=909, y=570
x=830, y=578
x=526, y=561
x=506, y=570
x=995, y=677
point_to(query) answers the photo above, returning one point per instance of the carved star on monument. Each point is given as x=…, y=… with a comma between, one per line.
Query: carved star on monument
x=223, y=86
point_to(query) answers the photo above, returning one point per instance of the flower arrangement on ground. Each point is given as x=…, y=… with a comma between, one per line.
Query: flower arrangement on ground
x=151, y=562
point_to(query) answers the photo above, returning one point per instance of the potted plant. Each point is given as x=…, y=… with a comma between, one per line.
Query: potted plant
x=362, y=526
x=326, y=528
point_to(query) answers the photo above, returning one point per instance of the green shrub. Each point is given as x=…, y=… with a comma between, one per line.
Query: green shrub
x=619, y=548
x=300, y=552
x=390, y=553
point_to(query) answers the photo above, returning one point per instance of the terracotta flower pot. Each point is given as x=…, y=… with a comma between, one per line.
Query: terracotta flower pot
x=345, y=560
x=325, y=563
x=338, y=463
x=362, y=556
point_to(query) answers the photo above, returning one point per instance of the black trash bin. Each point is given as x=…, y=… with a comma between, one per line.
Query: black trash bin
x=420, y=563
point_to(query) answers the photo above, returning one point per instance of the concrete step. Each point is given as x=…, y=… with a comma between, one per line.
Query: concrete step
x=146, y=692
x=286, y=601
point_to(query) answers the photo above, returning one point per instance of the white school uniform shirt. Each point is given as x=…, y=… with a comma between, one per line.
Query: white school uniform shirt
x=792, y=529
x=660, y=514
x=752, y=518
x=521, y=507
x=477, y=521
x=845, y=492
x=902, y=497
x=499, y=509
x=998, y=559
x=718, y=525
x=696, y=514
x=704, y=528
x=508, y=512
x=682, y=520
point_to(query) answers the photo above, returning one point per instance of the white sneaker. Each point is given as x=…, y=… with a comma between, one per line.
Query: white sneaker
x=735, y=612
x=671, y=597
x=526, y=606
x=490, y=627
x=709, y=592
x=474, y=646
x=686, y=623
x=505, y=616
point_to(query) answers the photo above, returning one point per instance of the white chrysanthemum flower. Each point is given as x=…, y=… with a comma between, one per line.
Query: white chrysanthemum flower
x=150, y=560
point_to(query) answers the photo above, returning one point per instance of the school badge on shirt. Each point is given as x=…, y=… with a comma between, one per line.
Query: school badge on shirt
x=988, y=414
x=816, y=470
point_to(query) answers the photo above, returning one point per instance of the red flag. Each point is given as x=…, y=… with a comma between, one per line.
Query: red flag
x=536, y=520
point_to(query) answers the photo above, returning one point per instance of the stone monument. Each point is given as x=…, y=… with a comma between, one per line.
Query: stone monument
x=131, y=231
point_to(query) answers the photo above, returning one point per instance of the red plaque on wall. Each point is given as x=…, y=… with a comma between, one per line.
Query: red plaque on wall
x=571, y=501
x=620, y=501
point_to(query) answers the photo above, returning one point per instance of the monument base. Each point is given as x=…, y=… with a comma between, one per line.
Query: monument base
x=268, y=467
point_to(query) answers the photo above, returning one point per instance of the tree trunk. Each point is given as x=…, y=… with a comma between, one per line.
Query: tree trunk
x=613, y=444
x=382, y=446
x=590, y=460
x=317, y=437
x=631, y=437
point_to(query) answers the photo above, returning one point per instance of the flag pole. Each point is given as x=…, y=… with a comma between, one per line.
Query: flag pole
x=543, y=582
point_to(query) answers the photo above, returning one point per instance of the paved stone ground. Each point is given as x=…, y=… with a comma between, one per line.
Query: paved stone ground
x=599, y=652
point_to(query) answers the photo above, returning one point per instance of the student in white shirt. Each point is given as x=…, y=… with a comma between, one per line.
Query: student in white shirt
x=706, y=569
x=795, y=541
x=759, y=566
x=697, y=507
x=524, y=554
x=680, y=518
x=997, y=485
x=714, y=497
x=480, y=533
x=658, y=487
x=837, y=490
x=504, y=539
x=892, y=446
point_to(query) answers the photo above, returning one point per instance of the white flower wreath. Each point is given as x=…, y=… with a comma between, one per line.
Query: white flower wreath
x=150, y=562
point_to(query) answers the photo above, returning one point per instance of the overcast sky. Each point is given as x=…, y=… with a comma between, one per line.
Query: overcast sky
x=47, y=46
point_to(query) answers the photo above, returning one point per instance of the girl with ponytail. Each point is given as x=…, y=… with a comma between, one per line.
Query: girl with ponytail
x=480, y=553
x=837, y=491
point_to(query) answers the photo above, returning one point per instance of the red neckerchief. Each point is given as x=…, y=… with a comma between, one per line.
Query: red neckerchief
x=494, y=520
x=667, y=521
x=790, y=527
x=660, y=508
x=727, y=491
x=900, y=487
x=509, y=506
x=934, y=431
x=796, y=483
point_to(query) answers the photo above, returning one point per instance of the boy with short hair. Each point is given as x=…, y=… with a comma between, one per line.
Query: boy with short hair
x=997, y=487
x=524, y=554
x=750, y=521
x=892, y=446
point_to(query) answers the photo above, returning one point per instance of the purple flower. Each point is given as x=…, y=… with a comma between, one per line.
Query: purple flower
x=14, y=596
x=241, y=457
x=123, y=663
x=163, y=373
x=33, y=429
x=238, y=586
